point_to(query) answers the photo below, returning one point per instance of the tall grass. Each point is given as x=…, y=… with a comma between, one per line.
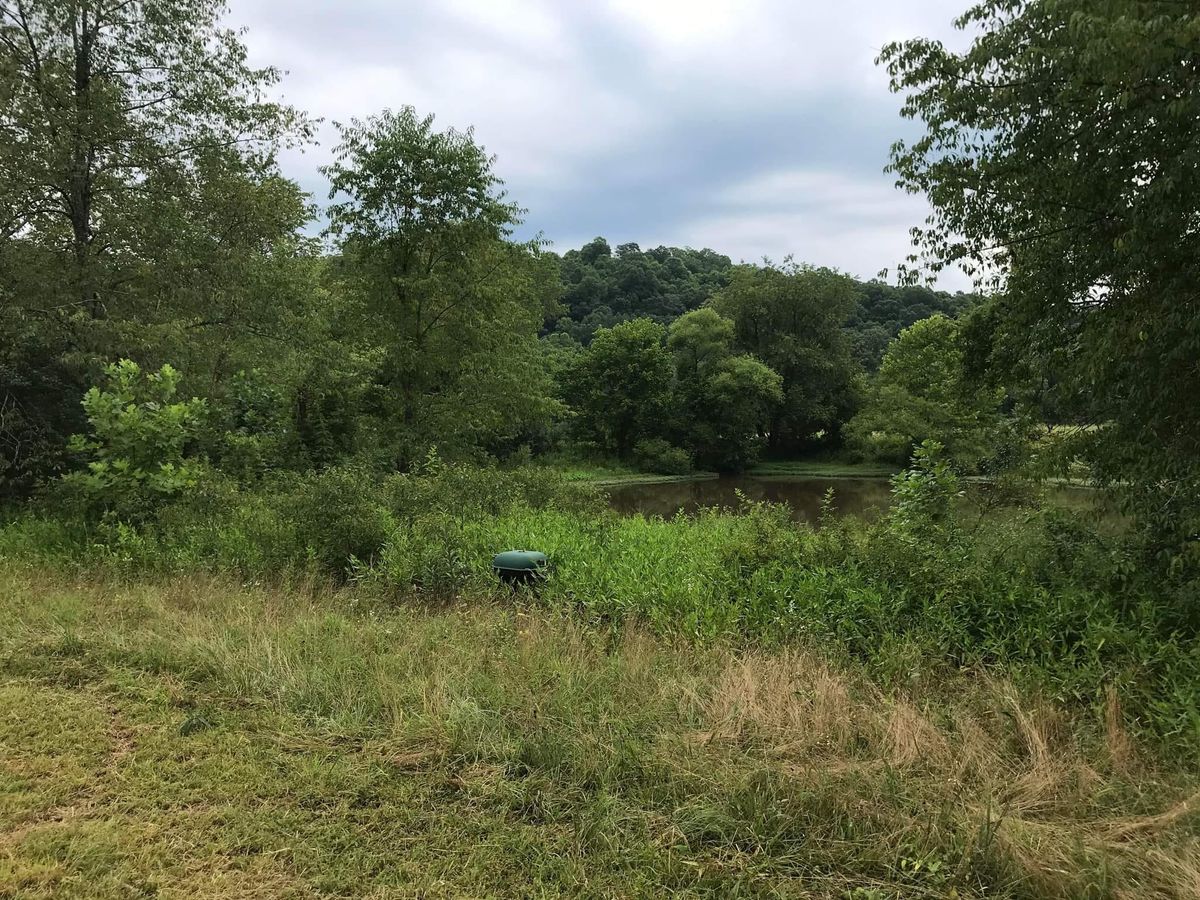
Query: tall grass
x=191, y=736
x=1032, y=594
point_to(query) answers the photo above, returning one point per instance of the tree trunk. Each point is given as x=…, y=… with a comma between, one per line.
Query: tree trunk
x=82, y=153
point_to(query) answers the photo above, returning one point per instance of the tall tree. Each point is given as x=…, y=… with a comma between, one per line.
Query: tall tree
x=130, y=131
x=921, y=393
x=106, y=103
x=790, y=317
x=449, y=307
x=722, y=405
x=619, y=388
x=1061, y=156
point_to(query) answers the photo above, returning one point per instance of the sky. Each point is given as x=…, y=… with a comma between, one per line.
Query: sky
x=759, y=128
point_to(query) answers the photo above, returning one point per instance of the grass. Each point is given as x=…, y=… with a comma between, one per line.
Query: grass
x=199, y=737
x=612, y=472
x=823, y=468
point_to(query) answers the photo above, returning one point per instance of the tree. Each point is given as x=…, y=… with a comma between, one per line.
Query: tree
x=698, y=340
x=722, y=405
x=885, y=310
x=1061, y=159
x=741, y=395
x=618, y=390
x=449, y=307
x=103, y=97
x=920, y=394
x=603, y=287
x=790, y=317
x=137, y=158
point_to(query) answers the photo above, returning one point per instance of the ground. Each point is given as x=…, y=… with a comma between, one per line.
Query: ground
x=198, y=737
x=824, y=468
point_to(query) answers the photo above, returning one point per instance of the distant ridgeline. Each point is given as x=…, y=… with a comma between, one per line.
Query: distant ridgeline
x=603, y=286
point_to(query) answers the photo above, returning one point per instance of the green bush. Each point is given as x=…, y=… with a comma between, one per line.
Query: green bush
x=662, y=458
x=340, y=515
x=135, y=452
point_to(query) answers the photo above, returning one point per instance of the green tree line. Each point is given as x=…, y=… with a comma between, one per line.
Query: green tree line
x=144, y=217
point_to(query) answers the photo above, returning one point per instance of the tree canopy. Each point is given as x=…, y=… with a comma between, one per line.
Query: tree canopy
x=449, y=308
x=141, y=212
x=1061, y=159
x=790, y=317
x=921, y=393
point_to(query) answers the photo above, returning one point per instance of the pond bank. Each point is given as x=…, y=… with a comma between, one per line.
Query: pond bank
x=615, y=474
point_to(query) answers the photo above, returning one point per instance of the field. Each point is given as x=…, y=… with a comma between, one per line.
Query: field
x=197, y=737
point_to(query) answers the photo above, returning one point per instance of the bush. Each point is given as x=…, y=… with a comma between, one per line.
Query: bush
x=340, y=516
x=659, y=456
x=135, y=452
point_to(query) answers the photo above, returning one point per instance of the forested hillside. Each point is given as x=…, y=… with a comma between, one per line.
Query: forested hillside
x=603, y=286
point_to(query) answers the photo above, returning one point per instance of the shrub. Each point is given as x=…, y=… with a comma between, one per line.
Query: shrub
x=135, y=451
x=659, y=456
x=339, y=515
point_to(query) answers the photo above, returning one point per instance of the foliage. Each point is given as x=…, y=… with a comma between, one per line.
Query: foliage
x=449, y=308
x=722, y=405
x=1059, y=156
x=923, y=494
x=659, y=456
x=136, y=448
x=790, y=318
x=140, y=208
x=1035, y=595
x=885, y=310
x=922, y=393
x=602, y=288
x=619, y=389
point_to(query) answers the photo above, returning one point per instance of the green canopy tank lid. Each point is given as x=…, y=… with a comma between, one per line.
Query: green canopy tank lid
x=519, y=561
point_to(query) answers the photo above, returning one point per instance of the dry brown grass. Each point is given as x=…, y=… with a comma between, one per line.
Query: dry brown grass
x=498, y=732
x=1019, y=768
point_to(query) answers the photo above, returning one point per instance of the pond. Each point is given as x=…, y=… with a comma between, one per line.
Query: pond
x=863, y=497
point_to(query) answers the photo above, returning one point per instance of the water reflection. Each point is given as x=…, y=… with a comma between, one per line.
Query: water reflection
x=865, y=497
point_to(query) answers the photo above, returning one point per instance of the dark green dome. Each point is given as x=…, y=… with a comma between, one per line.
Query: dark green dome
x=519, y=561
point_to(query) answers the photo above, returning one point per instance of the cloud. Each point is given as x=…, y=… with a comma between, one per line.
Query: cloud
x=755, y=127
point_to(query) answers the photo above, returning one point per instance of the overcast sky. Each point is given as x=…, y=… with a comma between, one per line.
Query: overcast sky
x=754, y=127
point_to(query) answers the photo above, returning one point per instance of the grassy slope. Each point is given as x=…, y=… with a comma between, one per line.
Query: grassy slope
x=824, y=468
x=197, y=738
x=613, y=472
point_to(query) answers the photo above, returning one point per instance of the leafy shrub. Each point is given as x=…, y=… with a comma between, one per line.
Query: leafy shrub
x=339, y=515
x=136, y=449
x=659, y=456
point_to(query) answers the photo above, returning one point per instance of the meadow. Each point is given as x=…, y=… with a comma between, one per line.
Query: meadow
x=321, y=688
x=260, y=445
x=204, y=737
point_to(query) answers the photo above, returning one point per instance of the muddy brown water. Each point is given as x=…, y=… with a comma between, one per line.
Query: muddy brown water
x=864, y=497
x=851, y=496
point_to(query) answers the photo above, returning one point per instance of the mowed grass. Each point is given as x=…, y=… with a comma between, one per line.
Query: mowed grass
x=196, y=737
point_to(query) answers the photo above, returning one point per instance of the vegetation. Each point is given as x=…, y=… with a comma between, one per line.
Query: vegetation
x=208, y=739
x=1060, y=159
x=921, y=393
x=254, y=482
